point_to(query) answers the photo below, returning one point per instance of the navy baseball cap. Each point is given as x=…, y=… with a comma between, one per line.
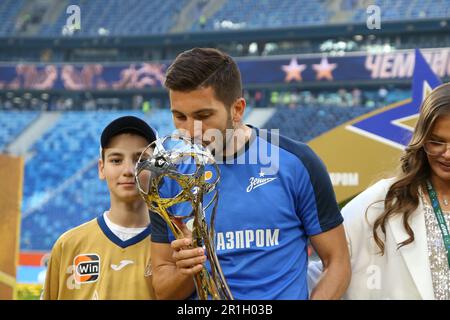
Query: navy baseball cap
x=127, y=124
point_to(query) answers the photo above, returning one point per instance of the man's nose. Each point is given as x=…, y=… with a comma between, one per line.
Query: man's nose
x=194, y=128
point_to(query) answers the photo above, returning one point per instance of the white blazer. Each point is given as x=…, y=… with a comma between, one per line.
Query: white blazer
x=398, y=274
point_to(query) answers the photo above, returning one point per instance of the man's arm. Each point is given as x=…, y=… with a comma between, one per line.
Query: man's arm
x=174, y=266
x=331, y=246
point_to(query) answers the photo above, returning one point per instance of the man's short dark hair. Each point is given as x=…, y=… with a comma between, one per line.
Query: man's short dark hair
x=206, y=67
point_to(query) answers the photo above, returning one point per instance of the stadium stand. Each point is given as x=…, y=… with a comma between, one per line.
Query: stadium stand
x=120, y=18
x=307, y=122
x=137, y=30
x=404, y=9
x=134, y=17
x=9, y=12
x=12, y=123
x=137, y=17
x=260, y=14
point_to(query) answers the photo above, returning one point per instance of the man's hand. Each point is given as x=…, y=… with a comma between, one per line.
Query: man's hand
x=175, y=265
x=189, y=261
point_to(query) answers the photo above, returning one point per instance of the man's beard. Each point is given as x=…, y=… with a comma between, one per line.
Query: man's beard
x=227, y=135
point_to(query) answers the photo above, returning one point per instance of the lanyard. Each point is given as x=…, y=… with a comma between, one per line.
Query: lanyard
x=440, y=218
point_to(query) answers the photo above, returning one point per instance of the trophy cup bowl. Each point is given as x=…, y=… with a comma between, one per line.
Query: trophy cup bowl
x=171, y=178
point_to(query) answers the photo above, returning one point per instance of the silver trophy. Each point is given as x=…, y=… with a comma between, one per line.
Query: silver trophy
x=176, y=158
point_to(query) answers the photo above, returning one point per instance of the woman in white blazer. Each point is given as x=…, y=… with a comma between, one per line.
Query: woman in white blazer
x=396, y=244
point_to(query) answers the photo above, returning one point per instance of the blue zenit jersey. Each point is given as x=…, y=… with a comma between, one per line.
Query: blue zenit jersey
x=265, y=216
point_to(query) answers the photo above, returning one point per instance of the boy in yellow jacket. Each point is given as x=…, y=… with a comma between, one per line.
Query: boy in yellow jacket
x=109, y=257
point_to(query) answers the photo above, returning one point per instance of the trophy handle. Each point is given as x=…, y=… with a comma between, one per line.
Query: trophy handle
x=206, y=283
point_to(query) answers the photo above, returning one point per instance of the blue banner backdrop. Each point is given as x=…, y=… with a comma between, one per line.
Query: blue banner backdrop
x=265, y=70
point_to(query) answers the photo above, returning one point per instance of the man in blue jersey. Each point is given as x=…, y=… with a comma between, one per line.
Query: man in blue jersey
x=265, y=216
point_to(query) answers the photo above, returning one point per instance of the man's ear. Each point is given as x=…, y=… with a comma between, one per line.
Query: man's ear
x=101, y=168
x=237, y=110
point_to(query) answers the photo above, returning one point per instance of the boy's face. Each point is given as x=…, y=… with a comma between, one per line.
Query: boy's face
x=118, y=166
x=199, y=110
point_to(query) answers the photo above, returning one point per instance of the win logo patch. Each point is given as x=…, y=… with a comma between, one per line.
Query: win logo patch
x=86, y=267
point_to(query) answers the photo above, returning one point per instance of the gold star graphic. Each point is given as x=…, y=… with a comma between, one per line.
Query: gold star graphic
x=293, y=70
x=324, y=69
